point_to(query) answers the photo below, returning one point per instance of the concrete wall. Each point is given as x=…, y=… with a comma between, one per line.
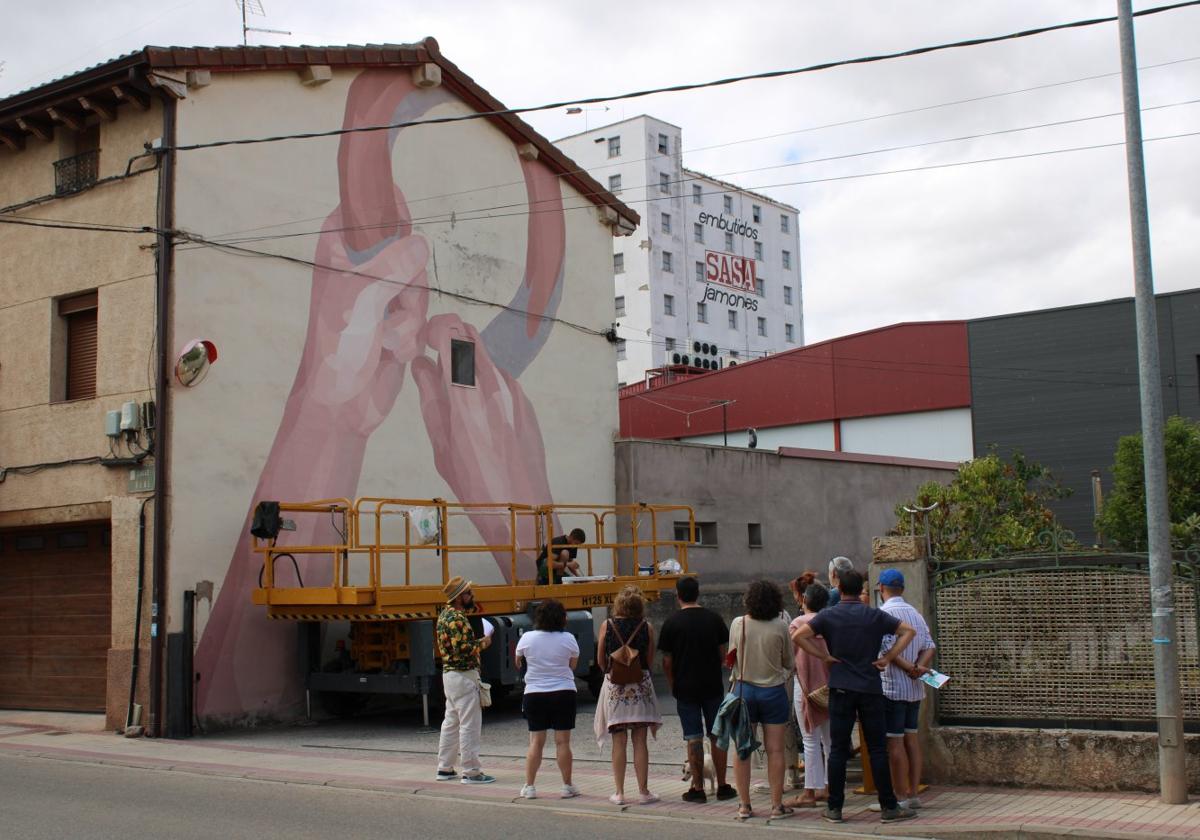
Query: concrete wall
x=37, y=267
x=333, y=384
x=810, y=510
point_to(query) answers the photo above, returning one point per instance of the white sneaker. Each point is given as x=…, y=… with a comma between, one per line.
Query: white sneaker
x=876, y=807
x=528, y=792
x=911, y=803
x=570, y=791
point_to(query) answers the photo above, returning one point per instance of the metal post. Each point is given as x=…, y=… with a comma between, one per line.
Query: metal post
x=1171, y=769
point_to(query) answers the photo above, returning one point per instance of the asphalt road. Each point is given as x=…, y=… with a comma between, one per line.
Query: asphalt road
x=42, y=798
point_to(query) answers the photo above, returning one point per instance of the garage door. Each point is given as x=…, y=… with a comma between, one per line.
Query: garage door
x=55, y=617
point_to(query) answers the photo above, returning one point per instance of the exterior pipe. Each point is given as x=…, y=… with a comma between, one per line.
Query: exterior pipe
x=137, y=613
x=166, y=222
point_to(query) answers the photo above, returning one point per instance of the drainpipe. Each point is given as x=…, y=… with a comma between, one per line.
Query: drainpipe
x=137, y=613
x=166, y=222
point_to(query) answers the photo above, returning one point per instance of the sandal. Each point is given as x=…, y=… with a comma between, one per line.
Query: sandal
x=800, y=802
x=781, y=813
x=744, y=812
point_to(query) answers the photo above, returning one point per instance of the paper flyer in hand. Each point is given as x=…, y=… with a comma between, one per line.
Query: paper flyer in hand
x=935, y=678
x=488, y=628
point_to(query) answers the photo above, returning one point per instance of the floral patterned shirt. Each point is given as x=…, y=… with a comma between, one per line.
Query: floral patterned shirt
x=456, y=641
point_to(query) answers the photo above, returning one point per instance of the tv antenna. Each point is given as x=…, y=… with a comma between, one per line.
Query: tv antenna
x=254, y=7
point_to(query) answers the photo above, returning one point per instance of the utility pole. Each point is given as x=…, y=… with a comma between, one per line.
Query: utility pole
x=1171, y=771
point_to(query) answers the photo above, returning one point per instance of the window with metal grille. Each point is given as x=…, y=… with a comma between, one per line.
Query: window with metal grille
x=614, y=147
x=82, y=168
x=666, y=222
x=614, y=183
x=762, y=326
x=668, y=305
x=760, y=285
x=82, y=334
x=664, y=183
x=666, y=263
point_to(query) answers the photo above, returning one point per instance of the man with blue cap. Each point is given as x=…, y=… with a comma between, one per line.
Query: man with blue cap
x=903, y=689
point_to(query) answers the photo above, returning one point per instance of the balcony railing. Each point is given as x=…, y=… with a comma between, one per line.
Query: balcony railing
x=76, y=173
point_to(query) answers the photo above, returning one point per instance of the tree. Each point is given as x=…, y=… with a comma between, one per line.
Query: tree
x=990, y=508
x=1122, y=520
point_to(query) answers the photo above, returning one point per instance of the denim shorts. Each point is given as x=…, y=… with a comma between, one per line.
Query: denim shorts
x=902, y=716
x=765, y=705
x=697, y=718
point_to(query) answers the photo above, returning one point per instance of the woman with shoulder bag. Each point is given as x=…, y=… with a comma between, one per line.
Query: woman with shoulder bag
x=627, y=707
x=812, y=687
x=762, y=667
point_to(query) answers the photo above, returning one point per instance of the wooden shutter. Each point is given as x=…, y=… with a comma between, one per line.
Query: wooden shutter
x=80, y=315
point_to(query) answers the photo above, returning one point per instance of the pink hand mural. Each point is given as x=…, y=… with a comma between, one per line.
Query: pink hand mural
x=361, y=334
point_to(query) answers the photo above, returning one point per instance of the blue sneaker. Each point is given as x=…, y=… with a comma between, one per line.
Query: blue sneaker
x=478, y=779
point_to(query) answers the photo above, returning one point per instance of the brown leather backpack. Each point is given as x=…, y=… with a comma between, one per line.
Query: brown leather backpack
x=625, y=663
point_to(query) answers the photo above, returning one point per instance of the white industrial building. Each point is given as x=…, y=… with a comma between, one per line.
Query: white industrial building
x=712, y=266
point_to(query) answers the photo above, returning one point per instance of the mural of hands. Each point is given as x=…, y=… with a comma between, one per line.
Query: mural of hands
x=487, y=444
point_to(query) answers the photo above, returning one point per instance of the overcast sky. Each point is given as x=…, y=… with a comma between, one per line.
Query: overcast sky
x=958, y=242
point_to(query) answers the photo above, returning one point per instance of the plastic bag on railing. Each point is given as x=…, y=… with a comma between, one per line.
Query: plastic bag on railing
x=670, y=566
x=425, y=524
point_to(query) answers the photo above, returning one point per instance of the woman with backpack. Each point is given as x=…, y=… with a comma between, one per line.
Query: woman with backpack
x=627, y=707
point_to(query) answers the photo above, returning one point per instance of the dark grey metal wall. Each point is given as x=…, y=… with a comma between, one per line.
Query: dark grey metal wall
x=1061, y=386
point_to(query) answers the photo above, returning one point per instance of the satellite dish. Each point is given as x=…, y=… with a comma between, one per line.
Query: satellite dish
x=192, y=365
x=753, y=438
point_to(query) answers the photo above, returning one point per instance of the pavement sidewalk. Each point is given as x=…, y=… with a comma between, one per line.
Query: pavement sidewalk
x=948, y=811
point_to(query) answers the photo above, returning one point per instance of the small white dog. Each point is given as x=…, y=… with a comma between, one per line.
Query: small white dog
x=710, y=771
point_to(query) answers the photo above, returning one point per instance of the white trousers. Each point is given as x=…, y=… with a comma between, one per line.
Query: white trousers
x=816, y=746
x=462, y=723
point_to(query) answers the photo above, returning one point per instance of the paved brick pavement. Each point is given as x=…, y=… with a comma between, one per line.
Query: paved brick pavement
x=948, y=811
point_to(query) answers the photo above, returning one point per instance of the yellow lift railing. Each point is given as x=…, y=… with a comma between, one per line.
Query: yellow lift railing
x=404, y=573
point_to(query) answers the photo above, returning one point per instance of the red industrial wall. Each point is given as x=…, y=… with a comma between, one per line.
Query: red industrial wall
x=891, y=370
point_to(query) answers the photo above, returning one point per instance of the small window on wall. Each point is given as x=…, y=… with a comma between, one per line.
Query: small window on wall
x=666, y=263
x=733, y=319
x=754, y=532
x=728, y=204
x=700, y=272
x=785, y=224
x=706, y=533
x=729, y=242
x=662, y=144
x=462, y=362
x=698, y=232
x=619, y=305
x=666, y=222
x=758, y=250
x=614, y=147
x=756, y=213
x=670, y=344
x=664, y=183
x=79, y=327
x=618, y=263
x=668, y=304
x=697, y=194
x=614, y=183
x=762, y=327
x=787, y=295
x=702, y=312
x=787, y=259
x=789, y=333
x=620, y=349
x=760, y=286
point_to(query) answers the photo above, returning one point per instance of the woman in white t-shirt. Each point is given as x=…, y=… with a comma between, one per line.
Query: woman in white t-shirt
x=549, y=701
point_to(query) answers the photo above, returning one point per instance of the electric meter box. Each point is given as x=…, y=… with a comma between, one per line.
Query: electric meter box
x=112, y=424
x=131, y=417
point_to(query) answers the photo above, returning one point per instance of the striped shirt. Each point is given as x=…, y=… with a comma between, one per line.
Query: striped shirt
x=898, y=685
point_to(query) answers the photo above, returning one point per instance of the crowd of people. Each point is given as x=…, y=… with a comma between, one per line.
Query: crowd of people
x=839, y=662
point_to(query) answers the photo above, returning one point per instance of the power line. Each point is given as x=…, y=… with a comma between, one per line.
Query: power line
x=807, y=129
x=637, y=94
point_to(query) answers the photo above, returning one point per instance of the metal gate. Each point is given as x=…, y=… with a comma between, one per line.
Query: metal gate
x=1058, y=639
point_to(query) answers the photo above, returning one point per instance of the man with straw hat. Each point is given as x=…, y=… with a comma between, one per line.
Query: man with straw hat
x=459, y=649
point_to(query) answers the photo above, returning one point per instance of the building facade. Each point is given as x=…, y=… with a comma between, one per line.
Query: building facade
x=375, y=334
x=712, y=274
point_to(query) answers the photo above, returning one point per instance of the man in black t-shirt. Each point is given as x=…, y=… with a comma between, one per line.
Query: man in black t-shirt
x=561, y=556
x=693, y=643
x=853, y=632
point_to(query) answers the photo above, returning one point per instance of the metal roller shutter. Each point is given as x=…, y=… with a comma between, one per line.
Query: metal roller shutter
x=55, y=617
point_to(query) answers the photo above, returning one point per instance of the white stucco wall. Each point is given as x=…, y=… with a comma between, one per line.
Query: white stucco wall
x=937, y=435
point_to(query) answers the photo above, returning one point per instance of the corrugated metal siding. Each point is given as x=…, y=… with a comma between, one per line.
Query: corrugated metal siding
x=1062, y=387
